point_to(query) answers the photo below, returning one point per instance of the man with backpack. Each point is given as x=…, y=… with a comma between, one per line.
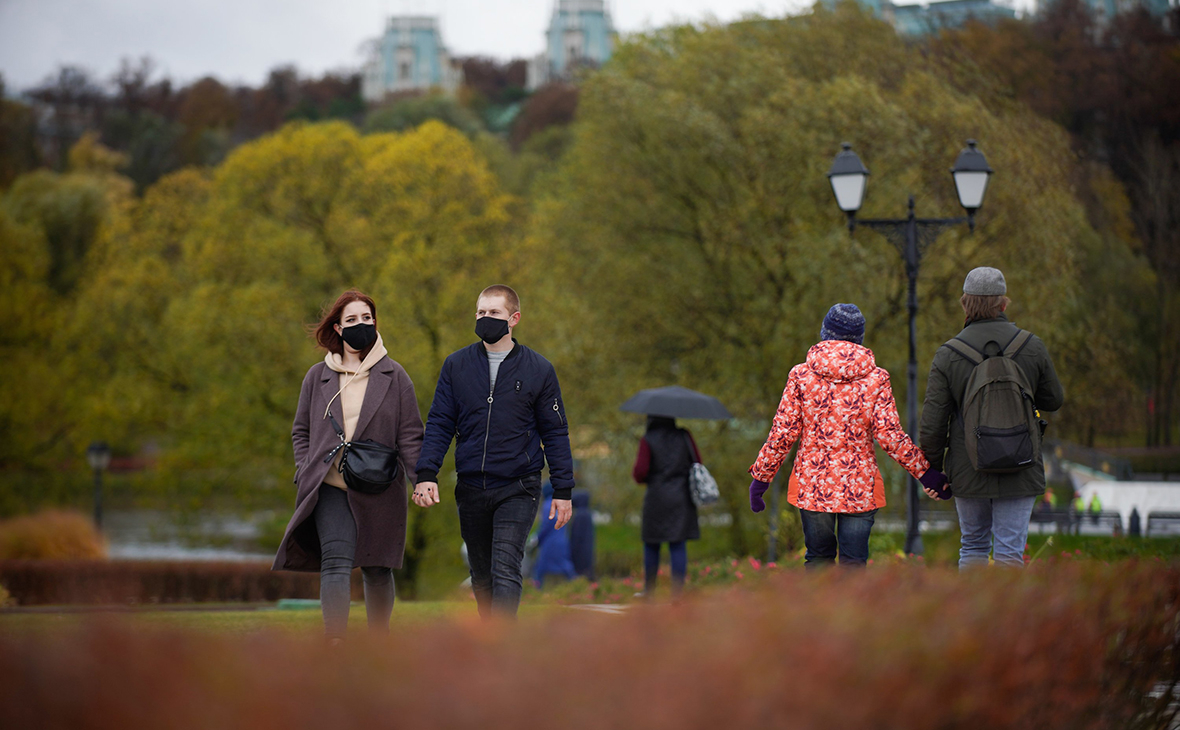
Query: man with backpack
x=981, y=422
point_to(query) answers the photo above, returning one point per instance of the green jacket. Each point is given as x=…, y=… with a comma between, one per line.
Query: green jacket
x=941, y=433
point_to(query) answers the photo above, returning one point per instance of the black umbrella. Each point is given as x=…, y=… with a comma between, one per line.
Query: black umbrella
x=674, y=401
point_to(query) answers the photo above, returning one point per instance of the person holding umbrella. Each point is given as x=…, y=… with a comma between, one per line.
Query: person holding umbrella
x=665, y=459
x=836, y=403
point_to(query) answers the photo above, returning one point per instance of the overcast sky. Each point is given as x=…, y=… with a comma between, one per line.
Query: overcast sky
x=240, y=40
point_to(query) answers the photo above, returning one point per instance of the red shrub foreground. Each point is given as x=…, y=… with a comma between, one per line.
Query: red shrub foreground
x=39, y=582
x=1062, y=646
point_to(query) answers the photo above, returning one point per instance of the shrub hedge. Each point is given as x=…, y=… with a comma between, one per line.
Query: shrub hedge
x=40, y=582
x=1065, y=644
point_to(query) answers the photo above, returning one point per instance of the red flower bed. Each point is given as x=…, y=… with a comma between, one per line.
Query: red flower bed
x=1066, y=645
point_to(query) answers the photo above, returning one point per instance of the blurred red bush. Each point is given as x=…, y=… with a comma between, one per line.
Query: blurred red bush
x=38, y=582
x=50, y=535
x=1063, y=645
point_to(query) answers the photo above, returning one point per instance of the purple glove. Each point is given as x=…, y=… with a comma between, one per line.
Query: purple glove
x=757, y=489
x=936, y=481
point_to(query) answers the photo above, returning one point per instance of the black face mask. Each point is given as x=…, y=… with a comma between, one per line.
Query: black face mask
x=490, y=329
x=359, y=336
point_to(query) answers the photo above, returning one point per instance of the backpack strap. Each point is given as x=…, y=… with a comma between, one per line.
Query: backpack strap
x=1017, y=344
x=967, y=351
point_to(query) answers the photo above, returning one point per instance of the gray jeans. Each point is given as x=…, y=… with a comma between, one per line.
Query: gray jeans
x=1002, y=521
x=337, y=529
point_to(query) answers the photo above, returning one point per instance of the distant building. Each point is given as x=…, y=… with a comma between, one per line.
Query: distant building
x=409, y=56
x=930, y=18
x=925, y=19
x=1105, y=10
x=580, y=34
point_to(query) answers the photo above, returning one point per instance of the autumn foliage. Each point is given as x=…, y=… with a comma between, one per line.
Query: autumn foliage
x=50, y=535
x=1065, y=645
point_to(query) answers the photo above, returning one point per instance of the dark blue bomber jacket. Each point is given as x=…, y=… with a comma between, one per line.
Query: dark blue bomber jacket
x=502, y=435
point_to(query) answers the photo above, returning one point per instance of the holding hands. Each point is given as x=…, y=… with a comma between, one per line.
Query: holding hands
x=425, y=494
x=935, y=485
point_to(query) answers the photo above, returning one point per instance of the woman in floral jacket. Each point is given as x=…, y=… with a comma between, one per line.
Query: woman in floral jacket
x=836, y=403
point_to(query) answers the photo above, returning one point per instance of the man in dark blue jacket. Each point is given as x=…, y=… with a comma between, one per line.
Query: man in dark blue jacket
x=503, y=403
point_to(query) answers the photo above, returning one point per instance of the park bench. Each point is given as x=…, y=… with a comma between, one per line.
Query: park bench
x=1062, y=520
x=1162, y=524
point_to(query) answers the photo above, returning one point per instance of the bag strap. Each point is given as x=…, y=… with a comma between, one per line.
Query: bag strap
x=692, y=452
x=339, y=432
x=1017, y=344
x=964, y=349
x=336, y=426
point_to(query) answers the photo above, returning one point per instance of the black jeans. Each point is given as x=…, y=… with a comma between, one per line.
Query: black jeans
x=495, y=524
x=337, y=529
x=826, y=532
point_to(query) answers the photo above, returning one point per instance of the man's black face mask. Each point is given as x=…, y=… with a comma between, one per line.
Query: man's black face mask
x=490, y=329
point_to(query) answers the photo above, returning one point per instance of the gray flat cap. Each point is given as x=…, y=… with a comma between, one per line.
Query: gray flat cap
x=985, y=281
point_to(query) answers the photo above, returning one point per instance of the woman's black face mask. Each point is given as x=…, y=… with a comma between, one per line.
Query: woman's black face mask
x=359, y=336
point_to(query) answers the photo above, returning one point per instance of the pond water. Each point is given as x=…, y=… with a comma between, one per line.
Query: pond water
x=163, y=535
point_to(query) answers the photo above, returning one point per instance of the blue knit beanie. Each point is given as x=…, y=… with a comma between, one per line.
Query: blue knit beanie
x=844, y=322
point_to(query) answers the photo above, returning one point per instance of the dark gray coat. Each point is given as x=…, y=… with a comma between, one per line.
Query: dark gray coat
x=669, y=514
x=941, y=433
x=389, y=415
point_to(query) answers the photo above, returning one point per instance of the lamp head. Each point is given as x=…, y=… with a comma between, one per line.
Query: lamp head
x=971, y=173
x=98, y=455
x=848, y=176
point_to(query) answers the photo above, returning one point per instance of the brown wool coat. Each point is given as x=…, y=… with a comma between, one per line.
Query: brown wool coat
x=389, y=415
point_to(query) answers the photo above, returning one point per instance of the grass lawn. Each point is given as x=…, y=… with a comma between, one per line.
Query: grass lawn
x=225, y=620
x=620, y=548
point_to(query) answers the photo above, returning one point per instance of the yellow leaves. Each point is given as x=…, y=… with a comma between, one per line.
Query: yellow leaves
x=429, y=189
x=24, y=267
x=293, y=174
x=431, y=220
x=89, y=155
x=193, y=314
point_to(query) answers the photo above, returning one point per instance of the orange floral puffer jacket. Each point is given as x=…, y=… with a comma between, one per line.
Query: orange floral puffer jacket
x=837, y=402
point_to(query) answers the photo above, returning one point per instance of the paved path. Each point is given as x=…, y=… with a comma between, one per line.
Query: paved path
x=615, y=609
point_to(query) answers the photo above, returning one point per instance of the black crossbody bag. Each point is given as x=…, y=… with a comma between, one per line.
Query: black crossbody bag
x=367, y=466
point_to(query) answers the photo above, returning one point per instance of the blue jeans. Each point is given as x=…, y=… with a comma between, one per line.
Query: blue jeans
x=677, y=555
x=825, y=533
x=1004, y=521
x=495, y=524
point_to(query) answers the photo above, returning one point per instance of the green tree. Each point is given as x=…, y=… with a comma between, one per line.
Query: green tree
x=694, y=231
x=69, y=209
x=18, y=140
x=406, y=113
x=49, y=226
x=196, y=314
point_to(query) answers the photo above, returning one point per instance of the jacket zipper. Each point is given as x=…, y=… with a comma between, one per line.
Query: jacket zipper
x=487, y=432
x=558, y=412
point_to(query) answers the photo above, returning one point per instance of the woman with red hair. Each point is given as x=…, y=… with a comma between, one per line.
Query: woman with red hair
x=356, y=394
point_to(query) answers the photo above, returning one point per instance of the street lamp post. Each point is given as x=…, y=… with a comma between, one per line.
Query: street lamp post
x=911, y=236
x=98, y=455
